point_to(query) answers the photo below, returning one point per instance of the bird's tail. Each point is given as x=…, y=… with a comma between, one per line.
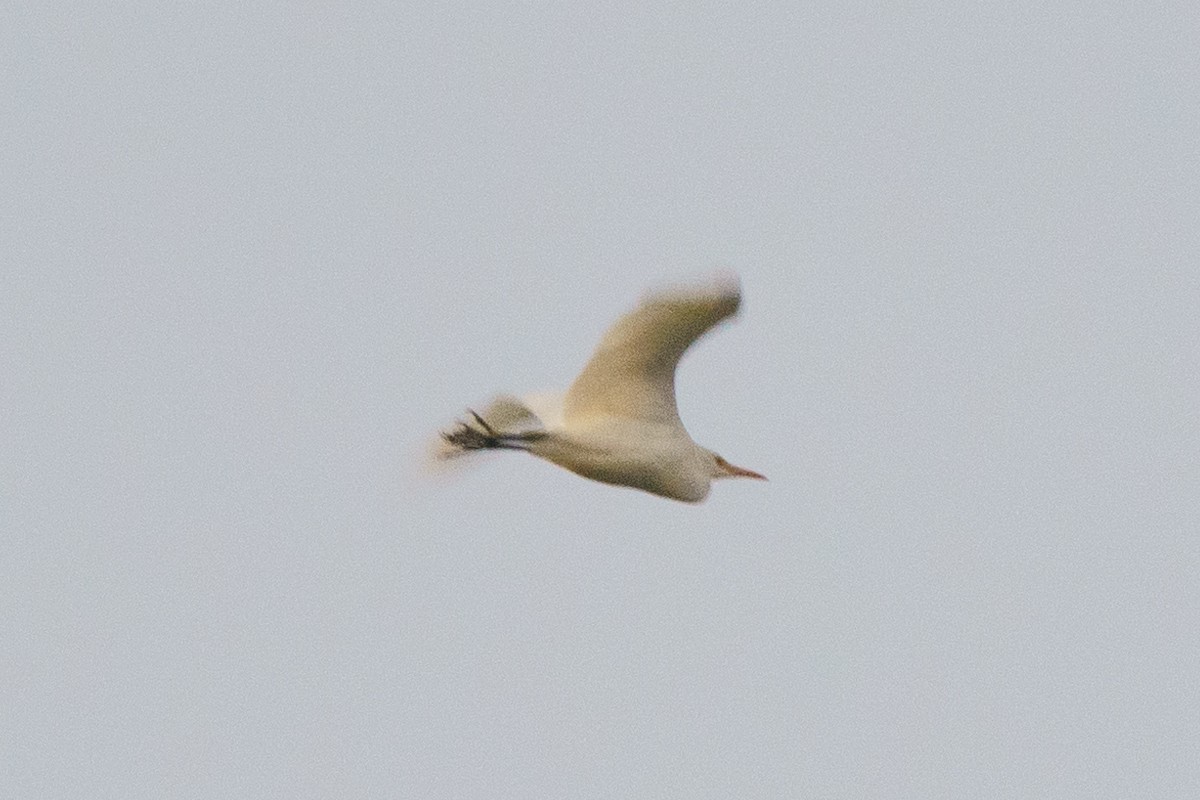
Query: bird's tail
x=506, y=423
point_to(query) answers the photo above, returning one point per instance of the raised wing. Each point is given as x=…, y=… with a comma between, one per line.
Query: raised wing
x=632, y=372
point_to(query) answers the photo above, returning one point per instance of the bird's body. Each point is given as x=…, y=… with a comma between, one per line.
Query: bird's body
x=665, y=460
x=618, y=422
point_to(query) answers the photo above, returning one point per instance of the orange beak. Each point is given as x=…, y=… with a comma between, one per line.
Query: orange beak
x=738, y=472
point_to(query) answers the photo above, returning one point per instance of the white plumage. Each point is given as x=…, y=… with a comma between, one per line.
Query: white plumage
x=618, y=422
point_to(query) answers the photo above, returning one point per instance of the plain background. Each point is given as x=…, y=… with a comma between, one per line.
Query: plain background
x=255, y=255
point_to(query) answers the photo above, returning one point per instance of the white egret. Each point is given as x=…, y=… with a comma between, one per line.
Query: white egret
x=618, y=422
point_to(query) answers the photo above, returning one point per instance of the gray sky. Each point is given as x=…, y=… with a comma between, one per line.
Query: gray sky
x=252, y=258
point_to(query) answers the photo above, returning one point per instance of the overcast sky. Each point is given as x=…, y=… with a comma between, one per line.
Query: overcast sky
x=253, y=257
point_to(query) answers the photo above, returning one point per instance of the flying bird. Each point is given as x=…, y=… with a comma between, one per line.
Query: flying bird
x=618, y=422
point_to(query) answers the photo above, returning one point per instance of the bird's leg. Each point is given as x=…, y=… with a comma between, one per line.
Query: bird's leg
x=468, y=437
x=483, y=424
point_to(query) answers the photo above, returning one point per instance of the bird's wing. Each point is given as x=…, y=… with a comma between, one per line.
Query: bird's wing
x=632, y=372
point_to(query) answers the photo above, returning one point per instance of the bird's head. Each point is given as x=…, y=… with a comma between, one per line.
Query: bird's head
x=723, y=469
